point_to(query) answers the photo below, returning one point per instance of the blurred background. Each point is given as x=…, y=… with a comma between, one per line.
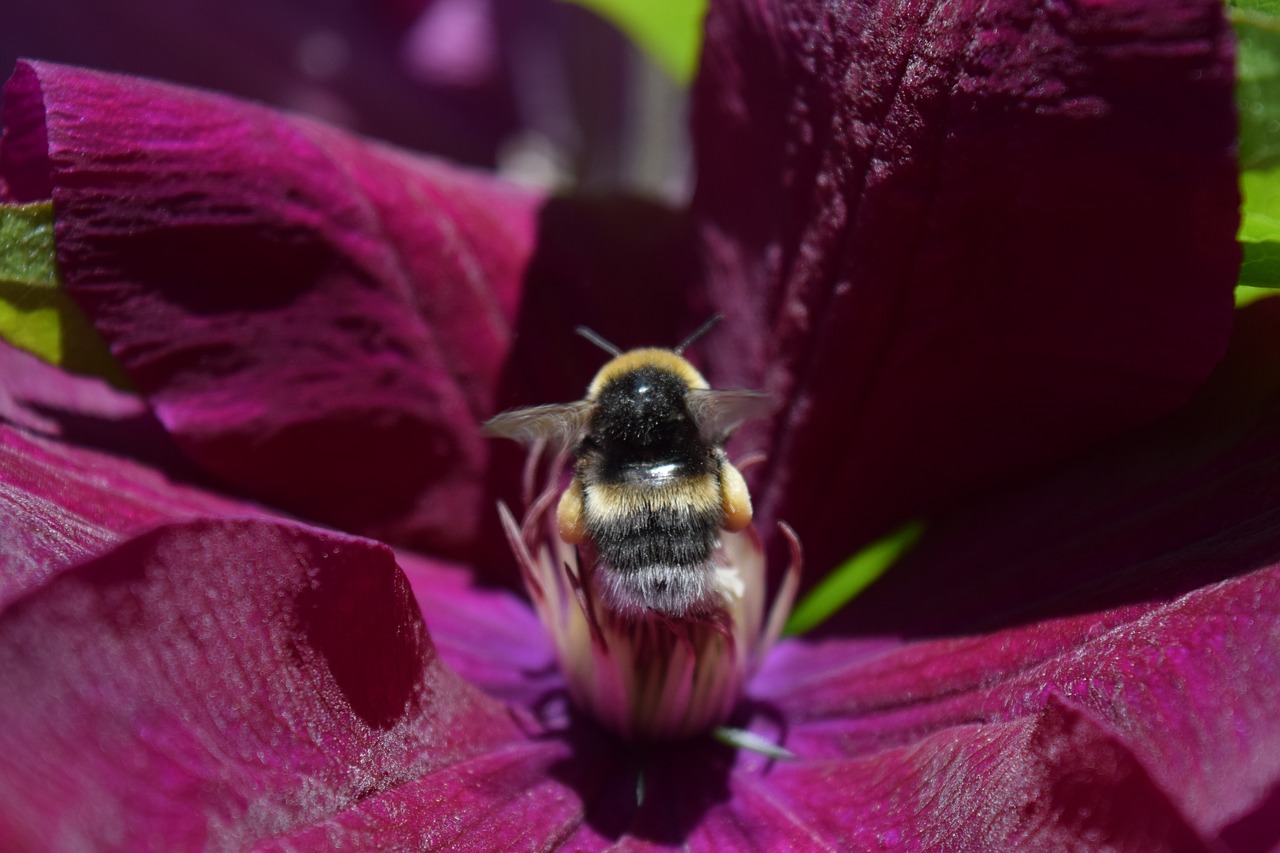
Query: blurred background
x=543, y=91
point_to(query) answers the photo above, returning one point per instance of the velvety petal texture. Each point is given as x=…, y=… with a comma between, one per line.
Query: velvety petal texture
x=1200, y=487
x=1135, y=596
x=1177, y=694
x=1136, y=714
x=958, y=239
x=63, y=504
x=182, y=670
x=281, y=291
x=233, y=256
x=39, y=396
x=217, y=683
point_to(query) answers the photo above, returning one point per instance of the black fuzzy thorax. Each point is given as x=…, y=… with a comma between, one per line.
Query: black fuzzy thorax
x=640, y=420
x=641, y=436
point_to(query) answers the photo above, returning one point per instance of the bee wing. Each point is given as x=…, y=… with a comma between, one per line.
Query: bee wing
x=719, y=412
x=558, y=424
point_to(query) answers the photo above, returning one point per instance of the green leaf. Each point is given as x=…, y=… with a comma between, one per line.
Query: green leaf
x=851, y=577
x=1246, y=295
x=669, y=31
x=1260, y=227
x=36, y=314
x=1257, y=24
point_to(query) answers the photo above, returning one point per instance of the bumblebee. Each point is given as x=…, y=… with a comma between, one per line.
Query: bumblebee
x=652, y=485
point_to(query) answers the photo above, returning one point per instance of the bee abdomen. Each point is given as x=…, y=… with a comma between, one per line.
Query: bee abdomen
x=656, y=545
x=660, y=537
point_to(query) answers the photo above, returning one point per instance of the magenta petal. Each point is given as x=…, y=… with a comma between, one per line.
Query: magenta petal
x=221, y=682
x=508, y=799
x=317, y=320
x=85, y=411
x=1141, y=585
x=960, y=239
x=1188, y=688
x=62, y=504
x=1054, y=782
x=37, y=395
x=491, y=637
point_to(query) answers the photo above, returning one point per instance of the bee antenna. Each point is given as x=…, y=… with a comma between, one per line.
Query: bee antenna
x=598, y=341
x=699, y=332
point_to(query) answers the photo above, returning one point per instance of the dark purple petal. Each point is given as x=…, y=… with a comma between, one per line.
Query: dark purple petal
x=1169, y=509
x=960, y=239
x=24, y=145
x=624, y=266
x=317, y=320
x=221, y=682
x=1140, y=587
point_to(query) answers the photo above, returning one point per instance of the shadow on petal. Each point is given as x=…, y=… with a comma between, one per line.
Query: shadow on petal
x=655, y=792
x=625, y=267
x=355, y=621
x=960, y=241
x=190, y=684
x=1187, y=502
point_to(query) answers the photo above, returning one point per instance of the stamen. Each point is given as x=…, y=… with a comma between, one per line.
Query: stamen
x=649, y=675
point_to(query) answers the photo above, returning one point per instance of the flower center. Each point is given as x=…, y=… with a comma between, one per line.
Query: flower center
x=649, y=674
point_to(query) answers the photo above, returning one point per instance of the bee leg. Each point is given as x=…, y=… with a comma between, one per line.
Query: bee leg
x=570, y=517
x=734, y=496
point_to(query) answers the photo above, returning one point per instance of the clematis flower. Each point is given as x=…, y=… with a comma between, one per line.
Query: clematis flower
x=981, y=253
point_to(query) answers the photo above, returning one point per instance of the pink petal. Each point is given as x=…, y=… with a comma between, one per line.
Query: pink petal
x=36, y=395
x=1054, y=782
x=491, y=637
x=221, y=683
x=960, y=240
x=62, y=504
x=317, y=320
x=509, y=799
